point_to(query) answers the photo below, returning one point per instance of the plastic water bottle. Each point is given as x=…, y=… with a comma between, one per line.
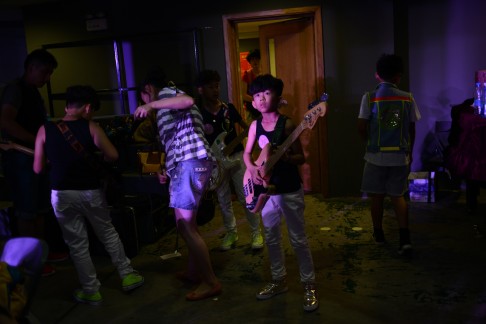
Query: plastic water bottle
x=478, y=97
x=483, y=101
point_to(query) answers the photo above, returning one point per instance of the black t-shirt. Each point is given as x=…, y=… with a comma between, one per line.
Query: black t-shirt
x=223, y=121
x=31, y=112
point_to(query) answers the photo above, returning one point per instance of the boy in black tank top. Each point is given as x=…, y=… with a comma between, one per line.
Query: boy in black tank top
x=76, y=195
x=287, y=200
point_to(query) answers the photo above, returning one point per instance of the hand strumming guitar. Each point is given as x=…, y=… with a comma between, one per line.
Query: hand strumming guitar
x=255, y=172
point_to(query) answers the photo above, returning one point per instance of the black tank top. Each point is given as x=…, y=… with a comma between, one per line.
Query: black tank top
x=69, y=170
x=285, y=176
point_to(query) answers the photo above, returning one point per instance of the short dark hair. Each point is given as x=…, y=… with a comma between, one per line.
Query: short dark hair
x=40, y=56
x=266, y=82
x=207, y=76
x=155, y=77
x=79, y=95
x=254, y=54
x=389, y=66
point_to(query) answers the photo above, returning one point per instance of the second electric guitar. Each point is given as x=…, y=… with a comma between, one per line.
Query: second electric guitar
x=222, y=152
x=9, y=145
x=256, y=195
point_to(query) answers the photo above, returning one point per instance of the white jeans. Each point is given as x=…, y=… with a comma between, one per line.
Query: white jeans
x=72, y=209
x=235, y=175
x=291, y=206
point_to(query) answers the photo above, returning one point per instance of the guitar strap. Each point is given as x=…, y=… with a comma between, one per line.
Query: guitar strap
x=279, y=127
x=78, y=147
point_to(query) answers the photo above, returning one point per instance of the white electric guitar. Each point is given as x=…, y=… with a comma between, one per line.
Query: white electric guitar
x=222, y=151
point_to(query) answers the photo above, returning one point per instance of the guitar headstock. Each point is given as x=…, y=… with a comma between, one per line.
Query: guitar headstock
x=322, y=98
x=5, y=144
x=317, y=108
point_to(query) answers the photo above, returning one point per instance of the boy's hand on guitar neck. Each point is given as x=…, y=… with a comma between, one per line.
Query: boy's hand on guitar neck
x=287, y=156
x=290, y=157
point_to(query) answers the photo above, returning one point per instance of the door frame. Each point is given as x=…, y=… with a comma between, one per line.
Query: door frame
x=232, y=57
x=231, y=44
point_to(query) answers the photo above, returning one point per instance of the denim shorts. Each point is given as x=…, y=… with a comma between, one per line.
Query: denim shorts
x=189, y=180
x=390, y=180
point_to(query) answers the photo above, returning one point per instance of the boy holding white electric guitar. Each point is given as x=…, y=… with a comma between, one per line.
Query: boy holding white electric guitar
x=219, y=120
x=275, y=187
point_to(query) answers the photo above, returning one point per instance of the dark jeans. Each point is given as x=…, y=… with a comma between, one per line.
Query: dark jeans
x=472, y=193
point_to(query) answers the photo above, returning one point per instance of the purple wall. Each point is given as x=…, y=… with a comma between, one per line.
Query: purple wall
x=446, y=46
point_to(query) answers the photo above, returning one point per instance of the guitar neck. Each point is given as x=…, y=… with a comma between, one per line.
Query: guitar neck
x=23, y=149
x=7, y=145
x=237, y=140
x=273, y=159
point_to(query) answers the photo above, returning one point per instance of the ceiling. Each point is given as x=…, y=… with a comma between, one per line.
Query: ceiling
x=245, y=29
x=21, y=3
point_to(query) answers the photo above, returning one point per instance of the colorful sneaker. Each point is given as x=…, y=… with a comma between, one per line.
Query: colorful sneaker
x=94, y=299
x=310, y=297
x=229, y=241
x=132, y=281
x=271, y=289
x=48, y=270
x=57, y=256
x=256, y=241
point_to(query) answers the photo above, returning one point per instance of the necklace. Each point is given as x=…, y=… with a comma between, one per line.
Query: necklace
x=213, y=109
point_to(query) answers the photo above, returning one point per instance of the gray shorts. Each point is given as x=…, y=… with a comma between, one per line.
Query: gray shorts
x=390, y=180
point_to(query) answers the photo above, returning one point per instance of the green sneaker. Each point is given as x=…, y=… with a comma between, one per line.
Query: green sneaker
x=229, y=241
x=91, y=299
x=256, y=241
x=132, y=281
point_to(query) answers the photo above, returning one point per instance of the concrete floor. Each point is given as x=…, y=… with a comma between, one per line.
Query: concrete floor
x=358, y=281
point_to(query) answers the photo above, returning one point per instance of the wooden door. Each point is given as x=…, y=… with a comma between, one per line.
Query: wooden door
x=288, y=52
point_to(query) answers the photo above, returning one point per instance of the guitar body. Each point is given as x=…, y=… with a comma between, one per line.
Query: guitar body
x=218, y=147
x=256, y=195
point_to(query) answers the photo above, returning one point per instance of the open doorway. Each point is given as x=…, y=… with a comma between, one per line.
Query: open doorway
x=296, y=53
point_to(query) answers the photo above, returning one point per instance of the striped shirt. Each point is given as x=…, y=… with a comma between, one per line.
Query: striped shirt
x=181, y=133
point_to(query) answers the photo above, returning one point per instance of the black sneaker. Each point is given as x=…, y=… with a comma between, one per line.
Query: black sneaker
x=379, y=237
x=405, y=250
